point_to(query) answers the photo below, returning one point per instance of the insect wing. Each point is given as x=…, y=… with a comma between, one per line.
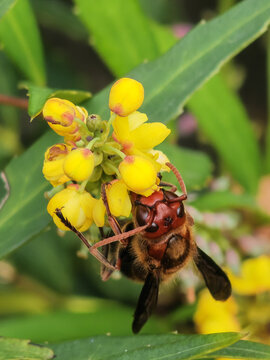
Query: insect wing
x=215, y=278
x=147, y=301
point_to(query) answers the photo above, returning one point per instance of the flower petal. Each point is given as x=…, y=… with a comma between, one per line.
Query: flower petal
x=139, y=174
x=147, y=136
x=99, y=211
x=118, y=198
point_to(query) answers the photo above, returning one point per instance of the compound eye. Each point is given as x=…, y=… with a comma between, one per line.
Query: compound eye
x=142, y=214
x=180, y=211
x=152, y=228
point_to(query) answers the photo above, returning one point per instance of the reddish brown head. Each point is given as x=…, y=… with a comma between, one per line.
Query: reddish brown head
x=163, y=211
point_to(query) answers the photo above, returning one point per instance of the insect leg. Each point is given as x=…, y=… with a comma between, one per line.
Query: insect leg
x=173, y=188
x=112, y=220
x=92, y=250
x=120, y=237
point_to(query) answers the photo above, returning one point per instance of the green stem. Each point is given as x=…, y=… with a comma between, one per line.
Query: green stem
x=115, y=151
x=267, y=139
x=92, y=143
x=114, y=168
x=113, y=116
x=51, y=193
x=81, y=124
x=83, y=185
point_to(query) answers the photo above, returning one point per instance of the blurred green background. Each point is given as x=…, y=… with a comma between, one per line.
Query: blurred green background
x=50, y=290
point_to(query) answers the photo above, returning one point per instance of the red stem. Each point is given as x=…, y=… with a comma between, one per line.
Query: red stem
x=13, y=101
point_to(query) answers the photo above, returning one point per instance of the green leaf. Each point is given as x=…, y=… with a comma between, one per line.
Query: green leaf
x=142, y=39
x=170, y=80
x=225, y=122
x=5, y=5
x=28, y=260
x=195, y=166
x=11, y=349
x=112, y=26
x=220, y=200
x=55, y=15
x=88, y=318
x=4, y=189
x=173, y=347
x=217, y=108
x=24, y=213
x=21, y=40
x=244, y=350
x=163, y=36
x=9, y=114
x=39, y=95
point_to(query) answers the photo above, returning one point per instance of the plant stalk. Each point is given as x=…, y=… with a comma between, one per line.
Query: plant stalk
x=13, y=101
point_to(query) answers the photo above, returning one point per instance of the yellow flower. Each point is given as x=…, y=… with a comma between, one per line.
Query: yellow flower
x=254, y=277
x=139, y=175
x=213, y=316
x=61, y=114
x=53, y=164
x=118, y=201
x=99, y=211
x=79, y=164
x=126, y=96
x=118, y=198
x=76, y=206
x=135, y=136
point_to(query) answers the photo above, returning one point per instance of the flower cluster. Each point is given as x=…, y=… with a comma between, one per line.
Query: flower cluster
x=118, y=152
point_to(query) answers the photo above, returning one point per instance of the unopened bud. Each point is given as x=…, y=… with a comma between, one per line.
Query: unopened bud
x=126, y=96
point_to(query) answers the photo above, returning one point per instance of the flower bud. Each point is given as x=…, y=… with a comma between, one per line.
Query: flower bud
x=76, y=207
x=60, y=115
x=126, y=96
x=53, y=164
x=139, y=175
x=79, y=164
x=118, y=198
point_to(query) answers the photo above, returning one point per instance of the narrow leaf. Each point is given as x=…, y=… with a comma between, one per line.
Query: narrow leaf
x=55, y=15
x=112, y=27
x=224, y=121
x=173, y=347
x=24, y=213
x=220, y=200
x=8, y=83
x=170, y=80
x=97, y=318
x=39, y=95
x=4, y=189
x=21, y=40
x=244, y=350
x=216, y=107
x=11, y=349
x=5, y=5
